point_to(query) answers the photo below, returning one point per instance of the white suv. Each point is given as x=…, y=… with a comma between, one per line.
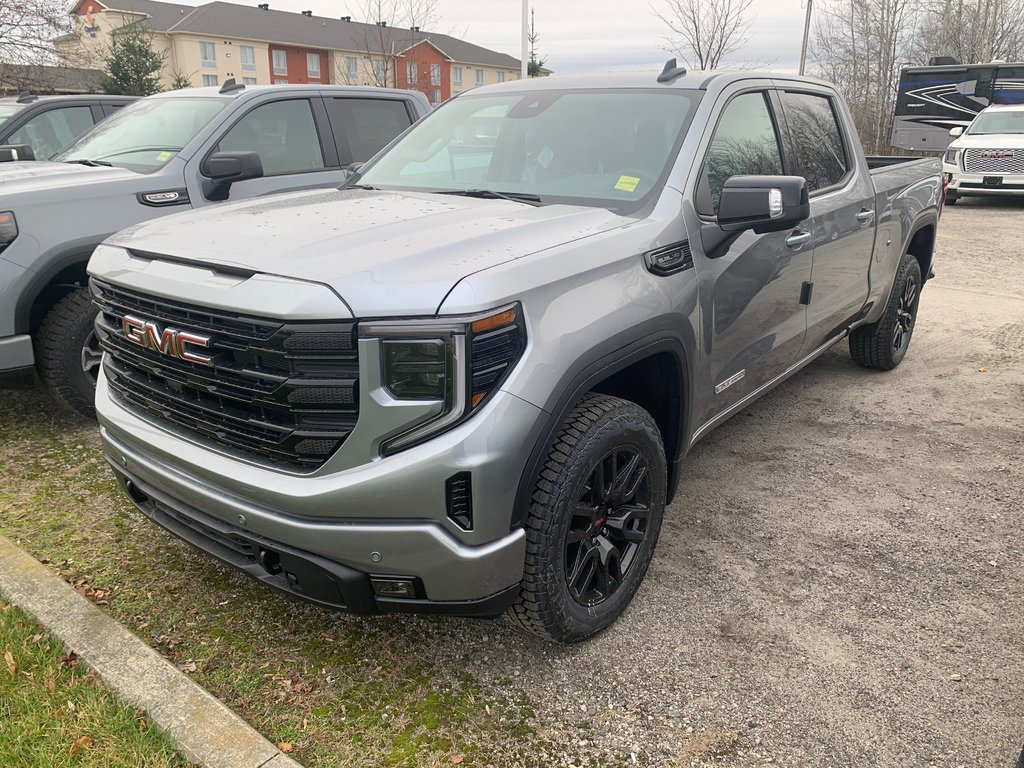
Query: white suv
x=987, y=158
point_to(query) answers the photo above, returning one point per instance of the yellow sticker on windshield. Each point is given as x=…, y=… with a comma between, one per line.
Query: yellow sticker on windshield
x=164, y=156
x=627, y=183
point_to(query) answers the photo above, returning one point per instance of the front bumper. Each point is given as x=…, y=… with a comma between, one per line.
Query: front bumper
x=963, y=184
x=386, y=519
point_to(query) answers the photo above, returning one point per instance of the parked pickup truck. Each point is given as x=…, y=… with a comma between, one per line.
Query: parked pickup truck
x=45, y=124
x=466, y=382
x=988, y=158
x=179, y=150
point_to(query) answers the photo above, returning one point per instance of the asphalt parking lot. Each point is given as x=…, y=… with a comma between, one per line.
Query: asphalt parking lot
x=838, y=583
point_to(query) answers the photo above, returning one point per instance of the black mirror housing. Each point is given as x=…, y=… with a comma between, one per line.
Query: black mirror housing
x=763, y=203
x=223, y=169
x=16, y=152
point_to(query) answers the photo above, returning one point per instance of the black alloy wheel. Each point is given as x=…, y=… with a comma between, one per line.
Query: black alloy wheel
x=608, y=526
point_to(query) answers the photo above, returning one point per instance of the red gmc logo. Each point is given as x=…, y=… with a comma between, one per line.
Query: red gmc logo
x=169, y=341
x=997, y=154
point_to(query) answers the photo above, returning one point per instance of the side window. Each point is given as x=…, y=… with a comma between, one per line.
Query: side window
x=745, y=143
x=284, y=135
x=50, y=131
x=366, y=125
x=817, y=143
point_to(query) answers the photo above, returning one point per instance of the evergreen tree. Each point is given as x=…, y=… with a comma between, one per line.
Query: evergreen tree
x=132, y=66
x=534, y=64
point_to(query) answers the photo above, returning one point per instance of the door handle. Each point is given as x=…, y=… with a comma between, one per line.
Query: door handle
x=865, y=215
x=797, y=239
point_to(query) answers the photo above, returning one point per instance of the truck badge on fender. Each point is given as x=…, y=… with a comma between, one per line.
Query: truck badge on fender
x=169, y=341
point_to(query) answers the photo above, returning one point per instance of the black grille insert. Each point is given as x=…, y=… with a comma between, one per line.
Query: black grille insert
x=283, y=394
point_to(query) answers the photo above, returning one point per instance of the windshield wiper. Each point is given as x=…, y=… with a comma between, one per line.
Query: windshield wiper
x=490, y=194
x=91, y=163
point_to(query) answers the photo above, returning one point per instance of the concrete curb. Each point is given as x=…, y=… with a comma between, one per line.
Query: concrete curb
x=204, y=730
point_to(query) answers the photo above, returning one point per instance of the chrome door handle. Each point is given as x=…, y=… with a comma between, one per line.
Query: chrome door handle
x=797, y=239
x=865, y=215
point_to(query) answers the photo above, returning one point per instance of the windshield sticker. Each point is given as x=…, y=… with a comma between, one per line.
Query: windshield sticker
x=164, y=156
x=627, y=183
x=545, y=156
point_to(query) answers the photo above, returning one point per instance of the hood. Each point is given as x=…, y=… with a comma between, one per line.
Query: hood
x=989, y=141
x=41, y=174
x=384, y=253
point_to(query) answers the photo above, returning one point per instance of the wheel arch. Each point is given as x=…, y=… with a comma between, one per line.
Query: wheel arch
x=921, y=243
x=65, y=271
x=653, y=373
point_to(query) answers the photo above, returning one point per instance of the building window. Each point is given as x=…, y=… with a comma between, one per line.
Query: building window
x=435, y=74
x=280, y=62
x=380, y=69
x=280, y=82
x=248, y=81
x=479, y=77
x=209, y=80
x=313, y=65
x=435, y=96
x=410, y=72
x=457, y=77
x=501, y=77
x=351, y=68
x=247, y=54
x=208, y=54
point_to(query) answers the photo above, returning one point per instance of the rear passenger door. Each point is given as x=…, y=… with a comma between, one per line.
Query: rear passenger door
x=292, y=137
x=752, y=321
x=842, y=211
x=362, y=127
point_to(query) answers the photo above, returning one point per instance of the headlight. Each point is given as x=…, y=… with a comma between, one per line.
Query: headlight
x=951, y=156
x=455, y=363
x=8, y=229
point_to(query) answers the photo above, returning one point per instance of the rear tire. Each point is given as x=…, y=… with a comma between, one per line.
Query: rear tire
x=884, y=344
x=952, y=199
x=593, y=520
x=68, y=354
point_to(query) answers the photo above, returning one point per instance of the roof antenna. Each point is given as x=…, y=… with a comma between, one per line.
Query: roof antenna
x=26, y=97
x=671, y=72
x=230, y=86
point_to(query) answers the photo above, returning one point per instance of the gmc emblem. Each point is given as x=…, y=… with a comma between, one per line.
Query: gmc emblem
x=995, y=154
x=169, y=341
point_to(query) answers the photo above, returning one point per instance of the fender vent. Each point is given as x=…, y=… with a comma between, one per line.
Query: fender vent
x=670, y=259
x=459, y=495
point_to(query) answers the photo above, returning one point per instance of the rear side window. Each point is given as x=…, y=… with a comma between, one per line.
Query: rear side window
x=282, y=133
x=52, y=130
x=745, y=144
x=362, y=127
x=817, y=143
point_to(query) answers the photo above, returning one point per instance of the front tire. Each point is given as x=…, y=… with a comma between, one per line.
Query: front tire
x=884, y=344
x=593, y=521
x=68, y=353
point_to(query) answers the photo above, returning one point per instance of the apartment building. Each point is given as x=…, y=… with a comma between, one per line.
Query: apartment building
x=208, y=44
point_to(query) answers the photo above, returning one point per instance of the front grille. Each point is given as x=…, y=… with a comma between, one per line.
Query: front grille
x=1008, y=161
x=279, y=393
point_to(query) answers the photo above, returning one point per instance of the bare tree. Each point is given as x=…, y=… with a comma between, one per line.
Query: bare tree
x=26, y=29
x=705, y=32
x=390, y=27
x=974, y=31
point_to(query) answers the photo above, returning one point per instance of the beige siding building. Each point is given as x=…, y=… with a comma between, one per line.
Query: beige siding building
x=208, y=44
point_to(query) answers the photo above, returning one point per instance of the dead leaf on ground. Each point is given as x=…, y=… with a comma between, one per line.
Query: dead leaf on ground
x=37, y=638
x=69, y=659
x=51, y=684
x=285, y=746
x=457, y=760
x=188, y=666
x=9, y=658
x=81, y=742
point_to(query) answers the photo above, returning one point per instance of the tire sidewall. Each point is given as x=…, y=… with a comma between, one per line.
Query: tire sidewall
x=909, y=268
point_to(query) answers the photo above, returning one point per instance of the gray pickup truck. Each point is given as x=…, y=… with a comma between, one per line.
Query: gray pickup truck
x=45, y=124
x=174, y=151
x=466, y=382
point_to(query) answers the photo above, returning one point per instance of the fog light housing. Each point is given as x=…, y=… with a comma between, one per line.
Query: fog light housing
x=405, y=588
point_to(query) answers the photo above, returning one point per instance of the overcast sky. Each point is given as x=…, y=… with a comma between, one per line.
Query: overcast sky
x=590, y=35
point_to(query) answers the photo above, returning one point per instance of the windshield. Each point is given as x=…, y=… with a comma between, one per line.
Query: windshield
x=998, y=122
x=146, y=134
x=607, y=148
x=6, y=110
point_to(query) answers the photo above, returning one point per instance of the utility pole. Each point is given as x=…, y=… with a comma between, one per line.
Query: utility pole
x=807, y=33
x=526, y=32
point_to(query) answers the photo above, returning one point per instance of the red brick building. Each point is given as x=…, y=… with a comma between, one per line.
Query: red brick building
x=289, y=64
x=426, y=68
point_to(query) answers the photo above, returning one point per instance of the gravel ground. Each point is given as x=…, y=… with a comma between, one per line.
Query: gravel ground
x=838, y=582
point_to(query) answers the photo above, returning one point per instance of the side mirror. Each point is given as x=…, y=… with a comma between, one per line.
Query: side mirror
x=223, y=169
x=763, y=203
x=958, y=131
x=15, y=152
